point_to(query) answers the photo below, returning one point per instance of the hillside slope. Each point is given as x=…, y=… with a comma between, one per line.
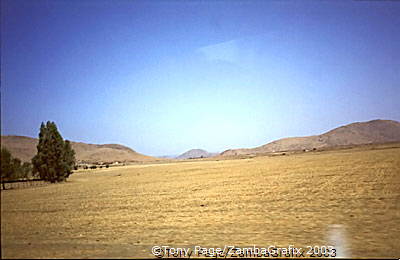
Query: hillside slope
x=24, y=148
x=375, y=131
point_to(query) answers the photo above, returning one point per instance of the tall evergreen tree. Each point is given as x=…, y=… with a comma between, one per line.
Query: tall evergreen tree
x=54, y=159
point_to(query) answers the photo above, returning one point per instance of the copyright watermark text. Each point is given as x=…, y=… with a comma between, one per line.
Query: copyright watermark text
x=245, y=252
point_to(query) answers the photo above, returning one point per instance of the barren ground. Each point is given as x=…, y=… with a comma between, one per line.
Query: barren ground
x=348, y=198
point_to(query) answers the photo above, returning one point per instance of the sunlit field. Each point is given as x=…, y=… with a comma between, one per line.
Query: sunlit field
x=349, y=199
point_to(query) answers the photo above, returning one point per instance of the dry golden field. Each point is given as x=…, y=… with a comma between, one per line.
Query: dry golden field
x=346, y=198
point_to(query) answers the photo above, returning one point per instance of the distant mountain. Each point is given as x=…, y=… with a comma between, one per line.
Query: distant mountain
x=24, y=148
x=375, y=131
x=195, y=153
x=168, y=156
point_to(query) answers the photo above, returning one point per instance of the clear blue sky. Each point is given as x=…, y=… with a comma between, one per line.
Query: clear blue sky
x=165, y=76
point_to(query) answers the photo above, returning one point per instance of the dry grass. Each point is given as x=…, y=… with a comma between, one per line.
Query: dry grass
x=296, y=199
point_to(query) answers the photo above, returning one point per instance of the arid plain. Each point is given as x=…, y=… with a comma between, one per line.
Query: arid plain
x=346, y=198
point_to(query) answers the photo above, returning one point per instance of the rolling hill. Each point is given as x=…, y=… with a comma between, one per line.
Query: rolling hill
x=24, y=148
x=375, y=131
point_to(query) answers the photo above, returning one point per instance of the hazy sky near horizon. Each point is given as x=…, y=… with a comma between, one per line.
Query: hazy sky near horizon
x=163, y=77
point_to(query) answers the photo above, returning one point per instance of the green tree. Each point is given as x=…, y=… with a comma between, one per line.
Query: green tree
x=16, y=168
x=55, y=158
x=69, y=158
x=6, y=166
x=12, y=168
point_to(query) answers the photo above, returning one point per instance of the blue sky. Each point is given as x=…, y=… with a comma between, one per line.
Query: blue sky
x=163, y=77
